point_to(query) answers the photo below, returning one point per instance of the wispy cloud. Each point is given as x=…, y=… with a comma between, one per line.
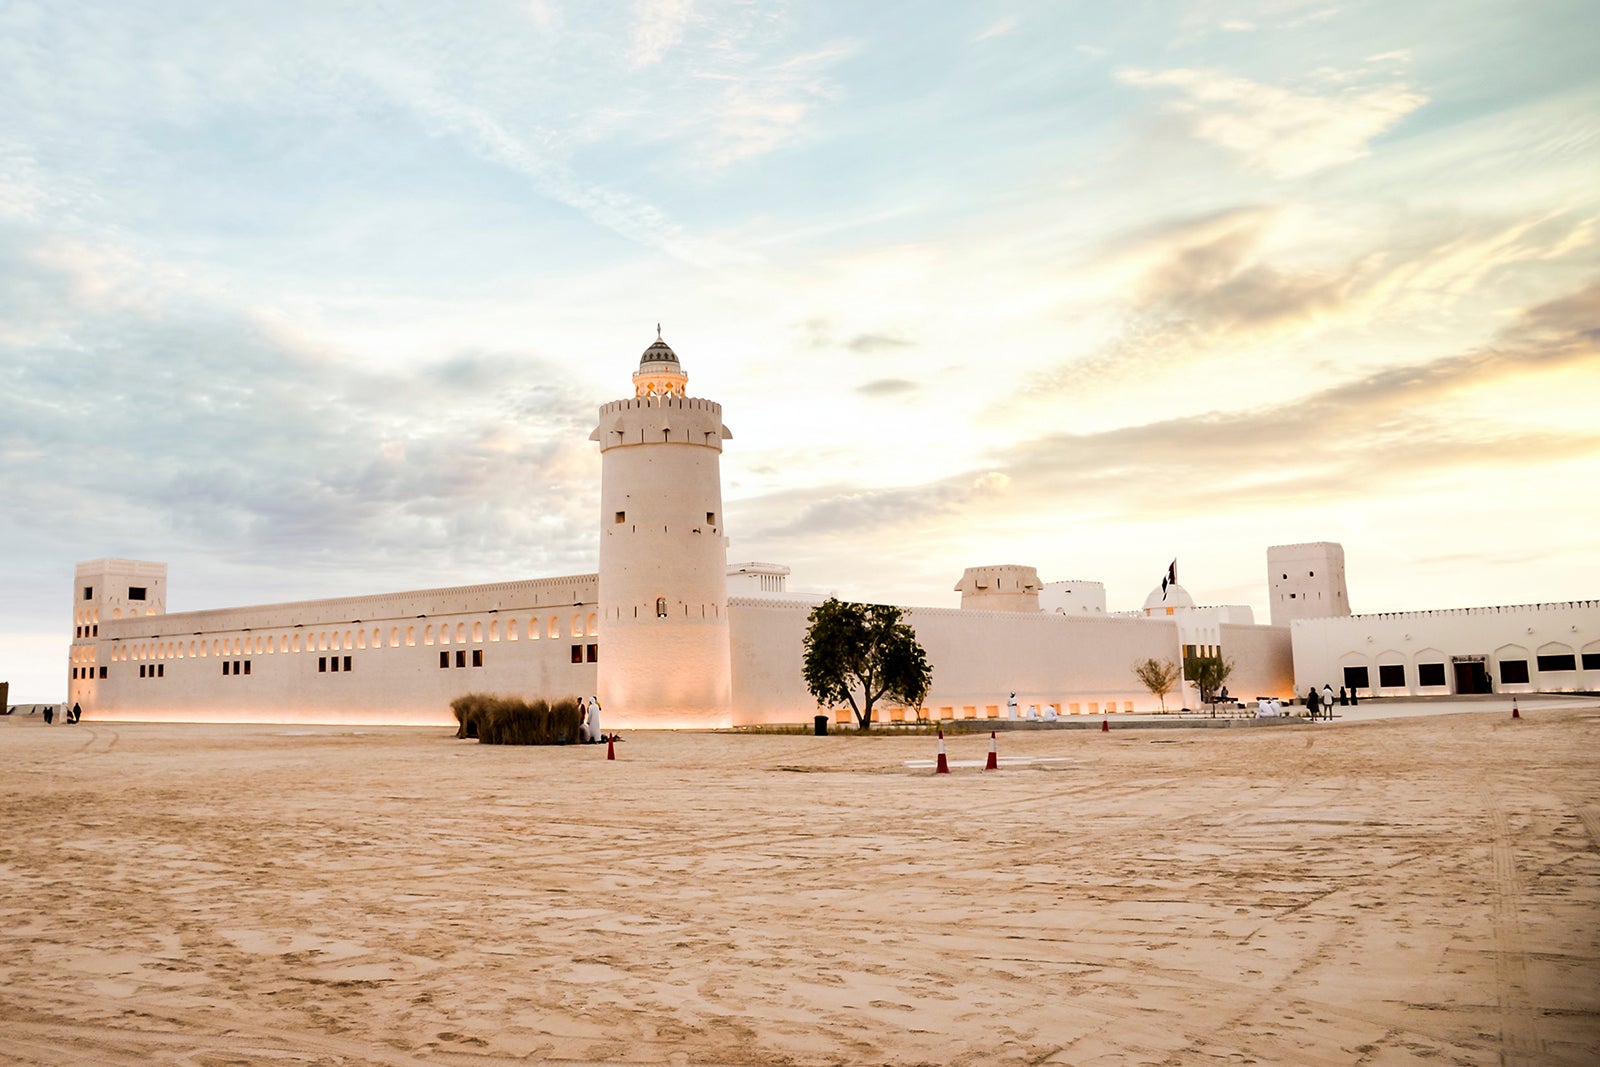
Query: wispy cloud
x=658, y=25
x=1000, y=28
x=1283, y=132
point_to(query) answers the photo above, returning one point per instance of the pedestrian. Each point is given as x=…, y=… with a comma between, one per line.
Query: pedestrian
x=1353, y=700
x=1312, y=702
x=75, y=714
x=1344, y=698
x=1327, y=700
x=49, y=714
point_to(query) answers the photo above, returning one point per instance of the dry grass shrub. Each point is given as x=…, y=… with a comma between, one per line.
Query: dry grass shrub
x=496, y=720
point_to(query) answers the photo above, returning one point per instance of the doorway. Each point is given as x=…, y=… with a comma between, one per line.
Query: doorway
x=1472, y=674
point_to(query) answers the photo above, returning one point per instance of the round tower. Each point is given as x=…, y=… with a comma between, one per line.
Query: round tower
x=664, y=656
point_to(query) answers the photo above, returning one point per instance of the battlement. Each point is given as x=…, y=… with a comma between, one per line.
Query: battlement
x=1447, y=613
x=678, y=403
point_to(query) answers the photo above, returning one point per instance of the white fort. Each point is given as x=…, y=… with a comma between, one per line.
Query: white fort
x=669, y=635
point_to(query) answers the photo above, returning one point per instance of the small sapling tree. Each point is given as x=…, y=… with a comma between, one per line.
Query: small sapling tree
x=1158, y=676
x=1208, y=673
x=859, y=654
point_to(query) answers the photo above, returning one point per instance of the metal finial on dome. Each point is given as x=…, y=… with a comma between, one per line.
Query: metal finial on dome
x=658, y=331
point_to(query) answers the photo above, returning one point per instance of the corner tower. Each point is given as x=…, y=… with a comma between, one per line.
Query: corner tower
x=664, y=657
x=1306, y=581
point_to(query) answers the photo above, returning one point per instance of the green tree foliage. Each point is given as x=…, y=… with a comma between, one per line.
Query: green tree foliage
x=1208, y=673
x=863, y=653
x=1158, y=676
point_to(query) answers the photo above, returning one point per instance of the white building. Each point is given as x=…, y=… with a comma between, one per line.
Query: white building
x=669, y=635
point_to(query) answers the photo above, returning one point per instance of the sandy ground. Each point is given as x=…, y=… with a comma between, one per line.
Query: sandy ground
x=1418, y=890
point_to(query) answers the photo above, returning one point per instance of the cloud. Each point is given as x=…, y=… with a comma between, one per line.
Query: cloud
x=658, y=25
x=167, y=423
x=1210, y=286
x=888, y=387
x=1001, y=28
x=876, y=342
x=1382, y=433
x=1281, y=132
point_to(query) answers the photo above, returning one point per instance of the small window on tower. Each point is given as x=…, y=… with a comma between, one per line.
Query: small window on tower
x=135, y=592
x=661, y=607
x=711, y=518
x=622, y=517
x=577, y=653
x=593, y=652
x=88, y=592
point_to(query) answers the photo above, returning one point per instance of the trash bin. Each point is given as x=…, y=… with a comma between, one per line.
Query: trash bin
x=821, y=723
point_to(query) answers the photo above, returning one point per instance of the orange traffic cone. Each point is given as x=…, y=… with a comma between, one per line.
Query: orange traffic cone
x=1105, y=726
x=994, y=754
x=611, y=747
x=944, y=763
x=1515, y=714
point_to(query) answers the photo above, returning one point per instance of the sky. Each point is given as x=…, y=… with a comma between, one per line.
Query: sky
x=319, y=299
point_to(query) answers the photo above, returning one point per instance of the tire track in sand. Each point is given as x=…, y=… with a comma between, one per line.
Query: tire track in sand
x=1520, y=1045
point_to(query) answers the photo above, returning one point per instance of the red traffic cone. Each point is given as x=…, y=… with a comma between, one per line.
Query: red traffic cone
x=944, y=763
x=1515, y=714
x=1105, y=726
x=994, y=754
x=611, y=747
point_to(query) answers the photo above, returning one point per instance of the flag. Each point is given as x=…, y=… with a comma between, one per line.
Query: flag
x=1170, y=578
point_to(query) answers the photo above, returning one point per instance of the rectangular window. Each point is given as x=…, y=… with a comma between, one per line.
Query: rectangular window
x=224, y=668
x=1391, y=675
x=94, y=631
x=1355, y=678
x=444, y=659
x=622, y=517
x=333, y=664
x=1430, y=674
x=141, y=670
x=593, y=652
x=88, y=592
x=247, y=666
x=711, y=518
x=238, y=667
x=1591, y=661
x=1558, y=663
x=135, y=592
x=477, y=657
x=322, y=664
x=577, y=653
x=161, y=670
x=1514, y=671
x=347, y=663
x=461, y=657
x=102, y=672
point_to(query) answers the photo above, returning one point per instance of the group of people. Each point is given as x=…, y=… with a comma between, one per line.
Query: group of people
x=68, y=715
x=1320, y=705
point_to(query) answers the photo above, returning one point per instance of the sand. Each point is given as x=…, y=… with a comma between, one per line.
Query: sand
x=1412, y=891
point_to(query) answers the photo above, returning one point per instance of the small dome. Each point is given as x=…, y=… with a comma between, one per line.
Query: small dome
x=1177, y=597
x=658, y=352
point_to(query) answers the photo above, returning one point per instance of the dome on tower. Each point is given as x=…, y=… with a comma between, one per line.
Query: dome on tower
x=658, y=352
x=660, y=373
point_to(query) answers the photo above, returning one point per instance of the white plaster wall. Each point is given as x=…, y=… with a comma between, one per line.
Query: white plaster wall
x=1322, y=647
x=389, y=682
x=978, y=658
x=1306, y=581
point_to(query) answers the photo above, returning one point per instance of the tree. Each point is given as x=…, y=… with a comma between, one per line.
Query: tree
x=1158, y=676
x=1207, y=672
x=863, y=650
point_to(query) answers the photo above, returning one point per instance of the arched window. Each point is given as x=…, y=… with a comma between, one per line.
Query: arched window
x=347, y=636
x=511, y=629
x=494, y=629
x=461, y=633
x=427, y=634
x=295, y=643
x=661, y=607
x=394, y=636
x=554, y=628
x=533, y=629
x=594, y=625
x=411, y=635
x=477, y=631
x=577, y=626
x=361, y=639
